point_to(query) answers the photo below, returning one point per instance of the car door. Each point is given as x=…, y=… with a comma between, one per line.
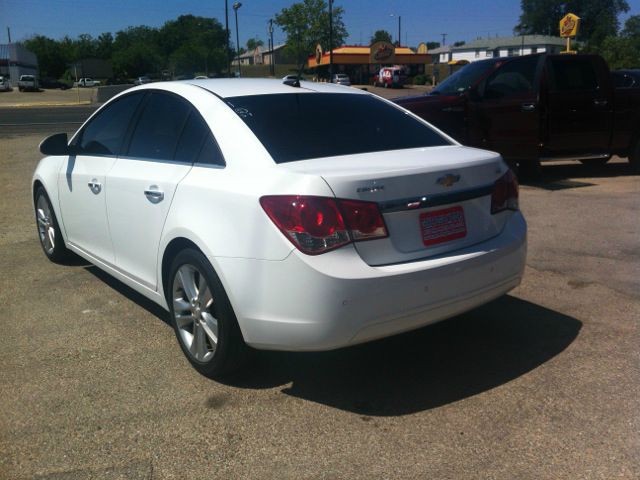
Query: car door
x=504, y=116
x=165, y=142
x=82, y=180
x=579, y=116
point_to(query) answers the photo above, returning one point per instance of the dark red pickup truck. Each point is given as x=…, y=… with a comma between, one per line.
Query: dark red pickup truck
x=536, y=108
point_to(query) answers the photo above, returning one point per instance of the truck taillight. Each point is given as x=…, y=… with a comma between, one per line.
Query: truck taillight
x=317, y=225
x=505, y=193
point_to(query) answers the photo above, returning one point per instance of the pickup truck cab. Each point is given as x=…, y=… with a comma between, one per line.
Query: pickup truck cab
x=535, y=108
x=87, y=82
x=28, y=83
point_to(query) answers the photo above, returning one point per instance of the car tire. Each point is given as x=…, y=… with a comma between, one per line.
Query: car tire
x=49, y=232
x=595, y=162
x=530, y=169
x=634, y=157
x=202, y=317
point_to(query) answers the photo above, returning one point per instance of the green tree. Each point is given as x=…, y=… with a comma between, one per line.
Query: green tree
x=136, y=52
x=623, y=51
x=380, y=36
x=193, y=44
x=306, y=24
x=599, y=18
x=51, y=58
x=433, y=45
x=254, y=43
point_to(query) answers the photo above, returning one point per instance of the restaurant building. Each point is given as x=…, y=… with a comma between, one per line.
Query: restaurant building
x=363, y=63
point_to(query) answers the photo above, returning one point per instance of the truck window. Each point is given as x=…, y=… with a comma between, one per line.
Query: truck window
x=514, y=78
x=572, y=73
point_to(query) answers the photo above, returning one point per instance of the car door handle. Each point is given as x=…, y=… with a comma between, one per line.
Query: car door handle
x=600, y=103
x=528, y=107
x=154, y=195
x=95, y=186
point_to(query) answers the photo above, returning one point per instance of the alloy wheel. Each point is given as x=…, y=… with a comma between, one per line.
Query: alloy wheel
x=46, y=228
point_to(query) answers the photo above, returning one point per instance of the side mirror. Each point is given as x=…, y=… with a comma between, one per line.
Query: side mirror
x=55, y=145
x=474, y=94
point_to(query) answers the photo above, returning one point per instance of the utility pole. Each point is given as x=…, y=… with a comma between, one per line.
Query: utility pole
x=399, y=30
x=330, y=40
x=272, y=66
x=9, y=34
x=236, y=6
x=444, y=39
x=226, y=21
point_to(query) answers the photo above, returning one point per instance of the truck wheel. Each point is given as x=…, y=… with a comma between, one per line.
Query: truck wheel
x=595, y=162
x=634, y=158
x=529, y=169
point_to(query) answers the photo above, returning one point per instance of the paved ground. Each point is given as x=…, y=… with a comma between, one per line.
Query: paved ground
x=541, y=384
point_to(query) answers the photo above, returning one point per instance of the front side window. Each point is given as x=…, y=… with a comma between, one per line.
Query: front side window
x=514, y=78
x=159, y=127
x=299, y=126
x=105, y=132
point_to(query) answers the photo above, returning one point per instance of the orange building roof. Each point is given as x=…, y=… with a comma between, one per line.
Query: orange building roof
x=358, y=55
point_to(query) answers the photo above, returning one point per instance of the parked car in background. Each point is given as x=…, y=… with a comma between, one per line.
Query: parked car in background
x=536, y=108
x=261, y=214
x=142, y=80
x=28, y=83
x=87, y=82
x=5, y=84
x=341, y=79
x=53, y=83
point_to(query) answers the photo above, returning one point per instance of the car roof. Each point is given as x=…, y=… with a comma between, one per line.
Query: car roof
x=239, y=87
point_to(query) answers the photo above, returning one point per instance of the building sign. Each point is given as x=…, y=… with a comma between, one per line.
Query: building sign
x=422, y=48
x=382, y=52
x=569, y=25
x=318, y=54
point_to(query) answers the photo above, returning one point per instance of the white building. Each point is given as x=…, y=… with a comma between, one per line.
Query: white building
x=15, y=60
x=484, y=48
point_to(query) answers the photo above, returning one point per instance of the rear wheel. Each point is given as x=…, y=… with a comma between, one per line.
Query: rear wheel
x=202, y=317
x=48, y=229
x=596, y=162
x=634, y=157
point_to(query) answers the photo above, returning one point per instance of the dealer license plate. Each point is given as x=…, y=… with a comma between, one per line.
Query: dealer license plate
x=441, y=226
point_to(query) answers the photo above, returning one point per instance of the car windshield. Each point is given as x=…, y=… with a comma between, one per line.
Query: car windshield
x=299, y=126
x=463, y=79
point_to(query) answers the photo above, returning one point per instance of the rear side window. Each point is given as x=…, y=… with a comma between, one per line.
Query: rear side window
x=299, y=126
x=573, y=73
x=159, y=127
x=197, y=144
x=104, y=134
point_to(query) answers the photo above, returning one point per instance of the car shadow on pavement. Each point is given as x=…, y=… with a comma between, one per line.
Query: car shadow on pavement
x=151, y=307
x=560, y=176
x=423, y=369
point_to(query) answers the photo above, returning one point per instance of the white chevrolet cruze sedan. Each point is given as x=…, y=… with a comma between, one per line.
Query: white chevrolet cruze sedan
x=281, y=217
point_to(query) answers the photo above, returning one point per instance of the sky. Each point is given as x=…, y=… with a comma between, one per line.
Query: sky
x=421, y=20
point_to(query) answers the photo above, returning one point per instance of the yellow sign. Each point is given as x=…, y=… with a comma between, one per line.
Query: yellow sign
x=422, y=48
x=569, y=25
x=382, y=52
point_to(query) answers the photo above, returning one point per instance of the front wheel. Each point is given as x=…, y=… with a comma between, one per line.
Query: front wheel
x=202, y=316
x=48, y=229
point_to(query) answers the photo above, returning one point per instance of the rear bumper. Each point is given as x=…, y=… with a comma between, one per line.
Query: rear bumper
x=335, y=300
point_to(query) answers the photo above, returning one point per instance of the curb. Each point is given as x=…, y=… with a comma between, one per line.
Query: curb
x=45, y=104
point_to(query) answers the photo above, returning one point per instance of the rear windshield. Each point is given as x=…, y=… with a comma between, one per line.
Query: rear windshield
x=299, y=126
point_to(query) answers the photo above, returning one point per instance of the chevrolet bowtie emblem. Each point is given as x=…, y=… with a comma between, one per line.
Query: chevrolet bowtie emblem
x=448, y=180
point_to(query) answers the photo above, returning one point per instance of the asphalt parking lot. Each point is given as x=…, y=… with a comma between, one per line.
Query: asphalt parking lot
x=543, y=383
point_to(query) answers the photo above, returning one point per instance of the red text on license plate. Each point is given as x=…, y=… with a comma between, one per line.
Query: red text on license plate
x=443, y=225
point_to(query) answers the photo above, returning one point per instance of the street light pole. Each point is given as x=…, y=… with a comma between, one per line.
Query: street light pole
x=398, y=41
x=330, y=40
x=236, y=6
x=272, y=66
x=226, y=21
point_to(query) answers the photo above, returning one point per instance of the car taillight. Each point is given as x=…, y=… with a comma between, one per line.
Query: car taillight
x=505, y=193
x=317, y=225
